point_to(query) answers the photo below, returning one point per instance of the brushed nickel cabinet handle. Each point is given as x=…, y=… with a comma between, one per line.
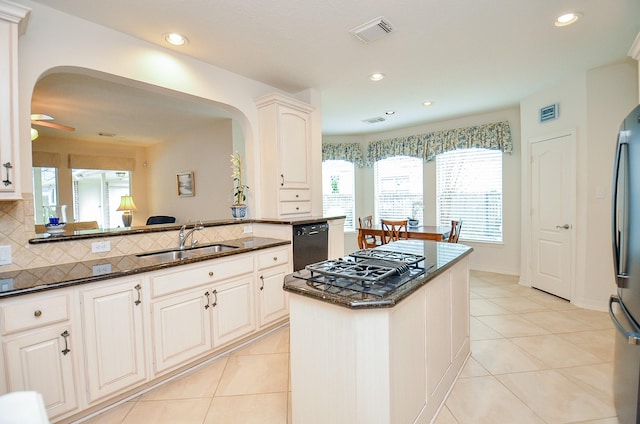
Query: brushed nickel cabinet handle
x=215, y=298
x=261, y=283
x=65, y=335
x=207, y=305
x=138, y=289
x=281, y=179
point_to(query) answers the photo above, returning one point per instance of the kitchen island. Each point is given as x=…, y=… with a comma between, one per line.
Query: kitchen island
x=363, y=355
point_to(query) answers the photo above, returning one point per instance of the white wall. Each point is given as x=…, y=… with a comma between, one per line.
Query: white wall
x=503, y=258
x=591, y=106
x=58, y=40
x=205, y=152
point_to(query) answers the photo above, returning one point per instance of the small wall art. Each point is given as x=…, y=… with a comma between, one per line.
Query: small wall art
x=186, y=184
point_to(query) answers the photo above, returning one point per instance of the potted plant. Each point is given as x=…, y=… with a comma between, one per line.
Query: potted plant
x=238, y=209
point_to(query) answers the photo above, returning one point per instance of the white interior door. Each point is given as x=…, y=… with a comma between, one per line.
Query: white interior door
x=552, y=200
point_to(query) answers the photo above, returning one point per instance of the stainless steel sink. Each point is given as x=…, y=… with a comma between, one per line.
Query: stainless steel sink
x=172, y=255
x=214, y=248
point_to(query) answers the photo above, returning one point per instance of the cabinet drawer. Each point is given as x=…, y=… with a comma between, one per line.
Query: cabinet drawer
x=294, y=195
x=189, y=276
x=273, y=258
x=290, y=208
x=34, y=312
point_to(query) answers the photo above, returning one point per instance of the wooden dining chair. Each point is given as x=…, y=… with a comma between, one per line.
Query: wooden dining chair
x=455, y=231
x=394, y=230
x=367, y=241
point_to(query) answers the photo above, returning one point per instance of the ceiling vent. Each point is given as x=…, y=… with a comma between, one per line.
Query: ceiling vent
x=372, y=30
x=374, y=120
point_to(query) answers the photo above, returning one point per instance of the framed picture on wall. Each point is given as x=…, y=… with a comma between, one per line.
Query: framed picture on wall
x=186, y=184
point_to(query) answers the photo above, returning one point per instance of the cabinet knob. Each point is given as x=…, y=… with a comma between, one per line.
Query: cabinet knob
x=37, y=313
x=275, y=258
x=210, y=273
x=297, y=208
x=297, y=195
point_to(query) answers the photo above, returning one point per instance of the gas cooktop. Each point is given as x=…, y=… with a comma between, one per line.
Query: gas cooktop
x=369, y=271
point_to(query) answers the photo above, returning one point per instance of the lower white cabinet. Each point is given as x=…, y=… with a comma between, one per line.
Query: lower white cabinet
x=42, y=361
x=113, y=332
x=233, y=310
x=40, y=348
x=110, y=337
x=181, y=328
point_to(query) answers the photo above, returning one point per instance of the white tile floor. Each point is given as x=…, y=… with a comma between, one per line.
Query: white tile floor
x=535, y=359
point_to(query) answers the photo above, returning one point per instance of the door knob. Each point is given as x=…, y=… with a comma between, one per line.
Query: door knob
x=564, y=227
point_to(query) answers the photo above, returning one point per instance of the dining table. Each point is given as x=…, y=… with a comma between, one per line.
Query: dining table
x=420, y=232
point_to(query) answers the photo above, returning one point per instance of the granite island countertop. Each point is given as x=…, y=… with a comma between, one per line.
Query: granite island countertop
x=439, y=256
x=31, y=280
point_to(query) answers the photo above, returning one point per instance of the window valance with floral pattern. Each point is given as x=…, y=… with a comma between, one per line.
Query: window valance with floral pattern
x=494, y=136
x=351, y=152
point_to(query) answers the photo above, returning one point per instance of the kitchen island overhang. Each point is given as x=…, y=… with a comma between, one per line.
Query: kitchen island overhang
x=357, y=358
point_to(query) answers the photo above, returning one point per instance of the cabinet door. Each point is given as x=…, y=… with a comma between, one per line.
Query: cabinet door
x=233, y=310
x=42, y=361
x=293, y=146
x=272, y=299
x=181, y=328
x=114, y=339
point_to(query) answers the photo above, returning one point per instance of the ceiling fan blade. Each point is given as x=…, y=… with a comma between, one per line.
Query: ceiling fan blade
x=41, y=117
x=53, y=125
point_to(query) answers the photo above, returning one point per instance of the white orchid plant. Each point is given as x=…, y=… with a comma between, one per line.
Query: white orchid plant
x=239, y=189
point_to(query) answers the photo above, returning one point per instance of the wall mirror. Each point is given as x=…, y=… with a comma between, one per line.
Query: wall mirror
x=100, y=137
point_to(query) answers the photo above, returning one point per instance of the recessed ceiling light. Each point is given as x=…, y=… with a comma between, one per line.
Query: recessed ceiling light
x=376, y=77
x=390, y=112
x=567, y=19
x=427, y=103
x=175, y=39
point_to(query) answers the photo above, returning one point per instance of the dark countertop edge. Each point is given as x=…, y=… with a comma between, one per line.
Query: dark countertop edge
x=89, y=234
x=389, y=302
x=141, y=269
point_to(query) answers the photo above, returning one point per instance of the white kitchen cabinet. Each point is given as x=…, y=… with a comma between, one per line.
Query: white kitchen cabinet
x=113, y=333
x=273, y=301
x=285, y=143
x=40, y=349
x=233, y=308
x=12, y=23
x=181, y=326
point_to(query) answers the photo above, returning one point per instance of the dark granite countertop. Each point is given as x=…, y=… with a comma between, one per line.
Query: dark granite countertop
x=33, y=280
x=88, y=234
x=439, y=256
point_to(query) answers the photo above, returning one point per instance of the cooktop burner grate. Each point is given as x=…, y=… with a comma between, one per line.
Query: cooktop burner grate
x=388, y=255
x=361, y=271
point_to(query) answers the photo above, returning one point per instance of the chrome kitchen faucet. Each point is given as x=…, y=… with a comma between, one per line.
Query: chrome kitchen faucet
x=182, y=237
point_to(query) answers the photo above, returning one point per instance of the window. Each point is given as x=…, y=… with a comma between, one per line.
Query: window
x=398, y=188
x=96, y=195
x=469, y=187
x=45, y=192
x=338, y=187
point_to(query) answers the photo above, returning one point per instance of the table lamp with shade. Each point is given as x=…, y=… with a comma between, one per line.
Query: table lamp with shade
x=127, y=205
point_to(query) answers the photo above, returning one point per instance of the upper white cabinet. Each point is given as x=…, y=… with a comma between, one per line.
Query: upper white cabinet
x=285, y=153
x=13, y=19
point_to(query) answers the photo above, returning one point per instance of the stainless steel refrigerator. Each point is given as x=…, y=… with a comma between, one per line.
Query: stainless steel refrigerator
x=626, y=254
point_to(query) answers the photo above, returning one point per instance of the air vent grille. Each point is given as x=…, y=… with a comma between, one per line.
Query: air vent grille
x=549, y=113
x=374, y=120
x=372, y=30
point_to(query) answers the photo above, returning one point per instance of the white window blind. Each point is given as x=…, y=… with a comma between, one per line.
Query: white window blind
x=469, y=187
x=398, y=188
x=338, y=187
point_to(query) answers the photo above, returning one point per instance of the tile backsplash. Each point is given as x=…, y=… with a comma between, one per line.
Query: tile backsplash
x=17, y=227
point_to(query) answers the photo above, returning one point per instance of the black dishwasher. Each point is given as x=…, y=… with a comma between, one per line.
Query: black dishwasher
x=310, y=244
